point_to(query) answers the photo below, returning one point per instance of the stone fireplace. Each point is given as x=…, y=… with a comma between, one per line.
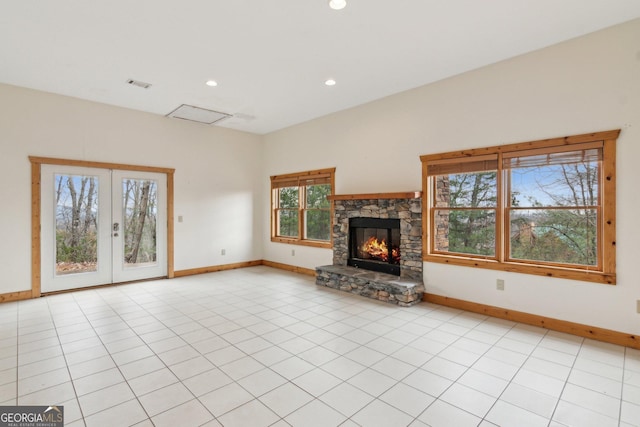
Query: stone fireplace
x=394, y=273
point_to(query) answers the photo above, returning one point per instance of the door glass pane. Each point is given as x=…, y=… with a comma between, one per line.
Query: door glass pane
x=76, y=199
x=140, y=209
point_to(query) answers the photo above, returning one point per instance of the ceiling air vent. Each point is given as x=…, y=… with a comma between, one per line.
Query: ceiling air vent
x=138, y=83
x=197, y=114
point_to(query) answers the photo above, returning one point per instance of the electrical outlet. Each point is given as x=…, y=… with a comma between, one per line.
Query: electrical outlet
x=223, y=252
x=179, y=218
x=638, y=306
x=500, y=284
x=293, y=252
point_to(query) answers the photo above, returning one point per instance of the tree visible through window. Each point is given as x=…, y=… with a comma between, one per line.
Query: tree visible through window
x=554, y=207
x=301, y=212
x=140, y=203
x=465, y=210
x=76, y=223
x=543, y=207
x=317, y=212
x=287, y=213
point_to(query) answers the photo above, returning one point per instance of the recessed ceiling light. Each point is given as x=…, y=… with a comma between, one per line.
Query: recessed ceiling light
x=212, y=83
x=337, y=4
x=330, y=82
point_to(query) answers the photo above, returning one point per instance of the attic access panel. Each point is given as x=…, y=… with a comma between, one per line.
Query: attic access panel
x=197, y=114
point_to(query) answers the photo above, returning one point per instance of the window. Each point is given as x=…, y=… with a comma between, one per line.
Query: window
x=301, y=212
x=541, y=207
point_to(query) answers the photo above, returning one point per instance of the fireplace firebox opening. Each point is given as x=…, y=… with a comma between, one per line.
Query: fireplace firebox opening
x=374, y=244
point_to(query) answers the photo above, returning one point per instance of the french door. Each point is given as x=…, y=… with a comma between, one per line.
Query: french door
x=101, y=226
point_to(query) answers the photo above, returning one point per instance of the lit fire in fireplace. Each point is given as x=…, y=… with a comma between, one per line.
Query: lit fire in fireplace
x=377, y=249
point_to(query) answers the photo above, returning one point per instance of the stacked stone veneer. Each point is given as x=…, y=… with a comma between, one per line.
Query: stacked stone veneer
x=408, y=211
x=441, y=218
x=406, y=290
x=371, y=284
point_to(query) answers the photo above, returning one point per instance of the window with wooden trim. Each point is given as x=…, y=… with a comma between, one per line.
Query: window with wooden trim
x=301, y=211
x=542, y=207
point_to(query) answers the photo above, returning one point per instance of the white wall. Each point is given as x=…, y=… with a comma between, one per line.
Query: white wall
x=584, y=85
x=216, y=179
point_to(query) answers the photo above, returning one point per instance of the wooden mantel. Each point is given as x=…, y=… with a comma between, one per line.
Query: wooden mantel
x=404, y=195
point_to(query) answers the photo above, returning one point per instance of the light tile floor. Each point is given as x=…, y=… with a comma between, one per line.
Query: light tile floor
x=263, y=347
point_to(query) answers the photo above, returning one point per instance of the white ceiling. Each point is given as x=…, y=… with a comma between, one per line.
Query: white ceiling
x=271, y=58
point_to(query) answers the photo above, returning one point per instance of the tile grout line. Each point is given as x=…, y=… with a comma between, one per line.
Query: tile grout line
x=215, y=365
x=18, y=306
x=137, y=397
x=97, y=294
x=158, y=312
x=521, y=367
x=624, y=364
x=437, y=398
x=55, y=328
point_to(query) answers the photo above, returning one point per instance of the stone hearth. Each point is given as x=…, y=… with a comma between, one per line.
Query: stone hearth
x=404, y=290
x=371, y=284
